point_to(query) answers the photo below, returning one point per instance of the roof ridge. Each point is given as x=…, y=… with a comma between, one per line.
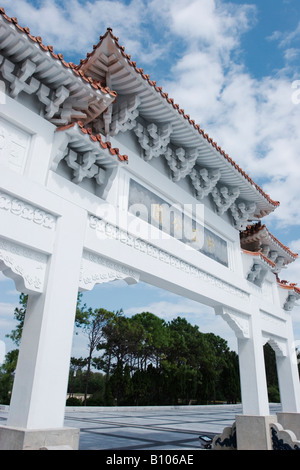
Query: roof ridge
x=146, y=77
x=37, y=39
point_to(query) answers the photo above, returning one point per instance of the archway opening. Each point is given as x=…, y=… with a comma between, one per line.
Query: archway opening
x=181, y=352
x=271, y=374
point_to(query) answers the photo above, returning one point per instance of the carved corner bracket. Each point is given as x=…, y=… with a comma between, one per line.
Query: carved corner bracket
x=26, y=267
x=238, y=321
x=97, y=270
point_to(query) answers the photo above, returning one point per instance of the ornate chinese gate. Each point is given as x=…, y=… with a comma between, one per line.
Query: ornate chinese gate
x=97, y=185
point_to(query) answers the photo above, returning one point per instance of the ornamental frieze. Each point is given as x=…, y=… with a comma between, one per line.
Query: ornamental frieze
x=20, y=208
x=106, y=230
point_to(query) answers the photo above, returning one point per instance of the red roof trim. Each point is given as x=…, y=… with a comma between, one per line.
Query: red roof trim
x=256, y=228
x=291, y=286
x=37, y=39
x=96, y=138
x=258, y=253
x=177, y=107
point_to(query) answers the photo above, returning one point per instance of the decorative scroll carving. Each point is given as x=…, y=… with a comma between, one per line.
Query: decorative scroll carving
x=224, y=197
x=27, y=211
x=24, y=265
x=227, y=439
x=106, y=230
x=181, y=162
x=124, y=118
x=283, y=439
x=96, y=270
x=153, y=140
x=242, y=212
x=239, y=322
x=204, y=181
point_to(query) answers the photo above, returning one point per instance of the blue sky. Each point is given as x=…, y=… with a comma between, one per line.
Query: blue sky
x=234, y=67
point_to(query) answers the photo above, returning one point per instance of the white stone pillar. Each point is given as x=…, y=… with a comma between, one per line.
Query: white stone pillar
x=40, y=386
x=252, y=428
x=247, y=328
x=252, y=370
x=288, y=377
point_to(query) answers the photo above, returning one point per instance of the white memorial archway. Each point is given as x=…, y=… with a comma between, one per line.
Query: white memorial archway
x=97, y=185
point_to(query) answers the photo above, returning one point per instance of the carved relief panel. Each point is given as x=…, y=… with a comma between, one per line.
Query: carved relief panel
x=14, y=146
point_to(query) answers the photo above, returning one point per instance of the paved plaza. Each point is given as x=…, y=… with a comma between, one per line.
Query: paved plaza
x=148, y=428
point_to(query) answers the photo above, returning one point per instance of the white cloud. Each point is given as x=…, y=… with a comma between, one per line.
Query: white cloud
x=286, y=38
x=295, y=245
x=213, y=23
x=74, y=26
x=254, y=120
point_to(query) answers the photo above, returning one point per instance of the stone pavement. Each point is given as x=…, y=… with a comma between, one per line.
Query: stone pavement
x=151, y=428
x=147, y=428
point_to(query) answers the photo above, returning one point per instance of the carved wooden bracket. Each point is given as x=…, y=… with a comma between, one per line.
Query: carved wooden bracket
x=204, y=181
x=123, y=118
x=181, y=162
x=242, y=212
x=224, y=197
x=153, y=140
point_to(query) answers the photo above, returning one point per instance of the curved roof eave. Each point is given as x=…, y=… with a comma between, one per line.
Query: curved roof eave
x=156, y=105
